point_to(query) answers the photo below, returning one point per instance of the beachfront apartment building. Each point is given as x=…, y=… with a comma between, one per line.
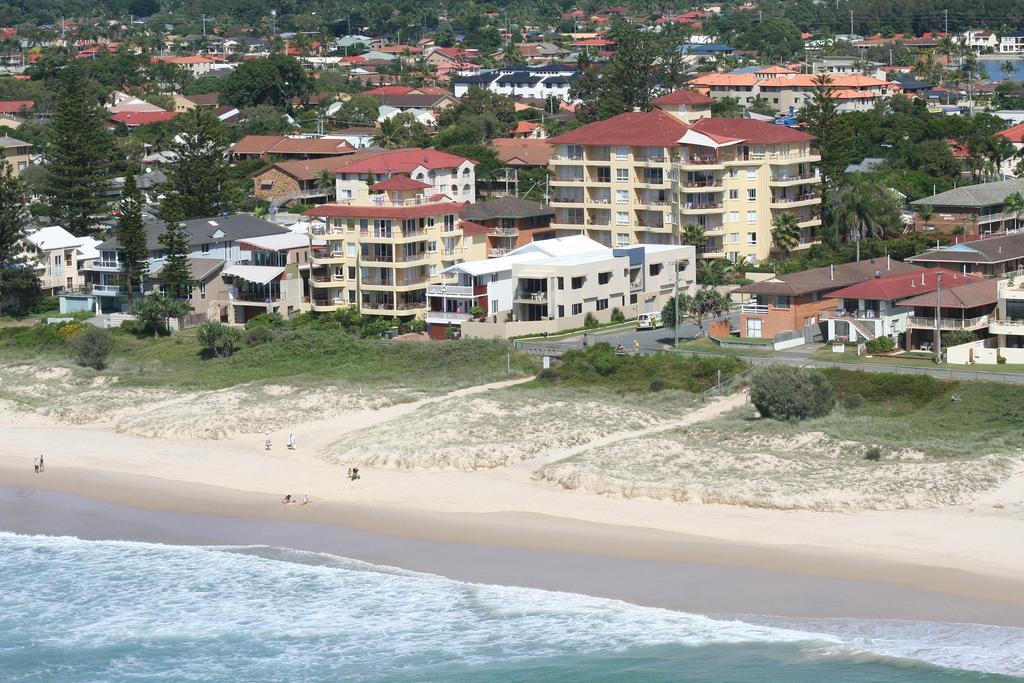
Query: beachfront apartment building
x=60, y=259
x=445, y=175
x=642, y=177
x=787, y=91
x=383, y=244
x=552, y=285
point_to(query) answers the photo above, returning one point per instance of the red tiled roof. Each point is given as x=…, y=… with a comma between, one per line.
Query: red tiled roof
x=965, y=295
x=405, y=161
x=758, y=132
x=399, y=182
x=142, y=118
x=654, y=128
x=190, y=59
x=15, y=106
x=471, y=228
x=525, y=127
x=684, y=96
x=1014, y=134
x=901, y=285
x=393, y=212
x=390, y=90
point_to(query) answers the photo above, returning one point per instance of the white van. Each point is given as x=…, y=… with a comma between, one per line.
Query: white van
x=648, y=321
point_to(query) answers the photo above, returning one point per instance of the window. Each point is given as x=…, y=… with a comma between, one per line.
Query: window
x=364, y=224
x=465, y=190
x=266, y=186
x=206, y=248
x=751, y=174
x=561, y=311
x=621, y=239
x=577, y=282
x=577, y=309
x=734, y=216
x=561, y=283
x=655, y=269
x=751, y=238
x=751, y=216
x=751, y=195
x=622, y=196
x=604, y=174
x=604, y=278
x=431, y=246
x=351, y=272
x=465, y=172
x=734, y=194
x=455, y=190
x=621, y=218
x=734, y=238
x=351, y=296
x=350, y=249
x=202, y=290
x=753, y=327
x=431, y=222
x=602, y=304
x=622, y=175
x=780, y=301
x=734, y=173
x=449, y=222
x=622, y=153
x=433, y=269
x=811, y=320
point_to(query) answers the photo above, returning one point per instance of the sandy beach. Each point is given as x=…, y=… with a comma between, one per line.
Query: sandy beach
x=505, y=524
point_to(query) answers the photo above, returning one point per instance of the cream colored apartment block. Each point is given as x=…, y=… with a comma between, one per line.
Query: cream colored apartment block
x=731, y=176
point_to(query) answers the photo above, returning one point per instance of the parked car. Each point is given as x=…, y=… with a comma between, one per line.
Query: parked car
x=649, y=321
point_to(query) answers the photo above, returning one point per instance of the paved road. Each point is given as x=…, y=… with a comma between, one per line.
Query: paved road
x=650, y=340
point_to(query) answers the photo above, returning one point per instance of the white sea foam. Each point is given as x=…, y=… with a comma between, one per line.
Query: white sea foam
x=194, y=613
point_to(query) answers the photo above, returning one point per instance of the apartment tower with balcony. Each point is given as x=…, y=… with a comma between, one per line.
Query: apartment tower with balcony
x=642, y=177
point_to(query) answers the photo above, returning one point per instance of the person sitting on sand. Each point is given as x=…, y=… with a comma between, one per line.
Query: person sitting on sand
x=306, y=500
x=36, y=465
x=266, y=440
x=287, y=500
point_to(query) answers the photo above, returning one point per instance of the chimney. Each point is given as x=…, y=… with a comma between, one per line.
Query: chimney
x=636, y=110
x=922, y=277
x=832, y=271
x=888, y=262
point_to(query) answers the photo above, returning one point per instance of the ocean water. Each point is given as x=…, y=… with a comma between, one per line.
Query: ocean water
x=74, y=610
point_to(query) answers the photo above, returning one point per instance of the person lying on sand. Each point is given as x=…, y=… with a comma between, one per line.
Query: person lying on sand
x=287, y=500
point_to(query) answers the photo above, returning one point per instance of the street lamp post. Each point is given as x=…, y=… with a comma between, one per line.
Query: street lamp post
x=938, y=317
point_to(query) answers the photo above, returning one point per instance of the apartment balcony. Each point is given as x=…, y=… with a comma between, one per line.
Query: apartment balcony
x=384, y=308
x=376, y=258
x=105, y=266
x=412, y=258
x=712, y=184
x=326, y=305
x=809, y=223
x=250, y=298
x=781, y=159
x=394, y=235
x=319, y=230
x=322, y=257
x=798, y=179
x=565, y=200
x=503, y=232
x=952, y=323
x=754, y=309
x=106, y=290
x=650, y=159
x=450, y=254
x=322, y=281
x=1006, y=326
x=531, y=297
x=653, y=182
x=702, y=163
x=703, y=207
x=564, y=158
x=566, y=180
x=450, y=291
x=859, y=314
x=567, y=220
x=1013, y=291
x=805, y=199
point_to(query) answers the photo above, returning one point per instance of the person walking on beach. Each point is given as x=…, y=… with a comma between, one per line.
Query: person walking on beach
x=291, y=441
x=35, y=464
x=266, y=440
x=42, y=467
x=636, y=347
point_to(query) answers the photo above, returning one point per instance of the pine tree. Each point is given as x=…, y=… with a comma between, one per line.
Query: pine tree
x=12, y=230
x=78, y=156
x=131, y=237
x=197, y=183
x=176, y=275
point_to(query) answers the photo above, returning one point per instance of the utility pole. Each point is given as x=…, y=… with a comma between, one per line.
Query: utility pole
x=938, y=318
x=205, y=18
x=946, y=15
x=851, y=22
x=675, y=305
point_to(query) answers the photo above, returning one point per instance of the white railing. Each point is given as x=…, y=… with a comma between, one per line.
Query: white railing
x=447, y=316
x=754, y=308
x=106, y=265
x=106, y=289
x=449, y=290
x=948, y=323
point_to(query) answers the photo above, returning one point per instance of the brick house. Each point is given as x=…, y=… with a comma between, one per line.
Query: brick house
x=296, y=181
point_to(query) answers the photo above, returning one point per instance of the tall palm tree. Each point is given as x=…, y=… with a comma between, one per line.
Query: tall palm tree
x=1014, y=204
x=390, y=133
x=862, y=207
x=693, y=235
x=325, y=182
x=998, y=149
x=785, y=232
x=715, y=271
x=1008, y=69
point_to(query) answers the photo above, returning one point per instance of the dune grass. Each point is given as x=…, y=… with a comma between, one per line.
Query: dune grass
x=910, y=412
x=308, y=356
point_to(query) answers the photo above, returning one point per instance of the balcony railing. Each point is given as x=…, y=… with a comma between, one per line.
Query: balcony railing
x=697, y=206
x=407, y=258
x=504, y=232
x=377, y=258
x=711, y=182
x=527, y=295
x=447, y=316
x=951, y=323
x=257, y=298
x=859, y=314
x=796, y=198
x=757, y=309
x=449, y=290
x=567, y=157
x=105, y=265
x=797, y=176
x=569, y=220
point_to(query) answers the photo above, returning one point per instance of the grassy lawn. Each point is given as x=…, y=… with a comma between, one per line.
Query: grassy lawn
x=911, y=412
x=309, y=356
x=910, y=360
x=705, y=345
x=598, y=367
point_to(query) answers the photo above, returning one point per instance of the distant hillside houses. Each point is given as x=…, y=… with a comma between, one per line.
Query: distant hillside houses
x=532, y=82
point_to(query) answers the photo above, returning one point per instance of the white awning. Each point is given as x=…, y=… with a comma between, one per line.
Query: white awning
x=692, y=137
x=261, y=275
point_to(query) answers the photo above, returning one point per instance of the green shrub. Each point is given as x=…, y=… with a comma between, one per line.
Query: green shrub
x=957, y=337
x=218, y=338
x=886, y=389
x=853, y=402
x=91, y=347
x=259, y=335
x=46, y=304
x=589, y=320
x=874, y=453
x=618, y=316
x=784, y=392
x=882, y=344
x=274, y=321
x=1000, y=358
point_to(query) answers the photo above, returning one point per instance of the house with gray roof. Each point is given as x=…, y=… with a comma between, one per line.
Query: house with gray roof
x=972, y=209
x=989, y=256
